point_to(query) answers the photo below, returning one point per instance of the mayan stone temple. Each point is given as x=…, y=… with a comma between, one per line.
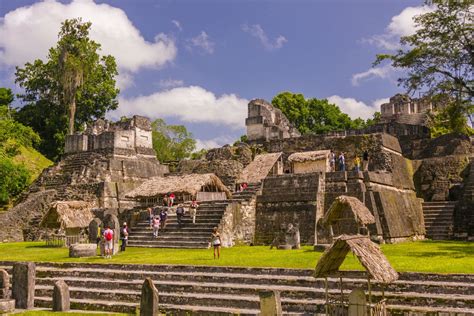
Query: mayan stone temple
x=279, y=189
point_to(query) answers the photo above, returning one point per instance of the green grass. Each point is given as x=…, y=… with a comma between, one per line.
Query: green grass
x=421, y=256
x=33, y=161
x=47, y=313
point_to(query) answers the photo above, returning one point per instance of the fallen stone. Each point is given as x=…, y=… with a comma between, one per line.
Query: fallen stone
x=61, y=299
x=82, y=250
x=149, y=299
x=23, y=285
x=7, y=306
x=270, y=303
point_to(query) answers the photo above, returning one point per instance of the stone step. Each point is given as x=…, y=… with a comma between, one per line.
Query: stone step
x=91, y=305
x=186, y=223
x=170, y=243
x=164, y=236
x=171, y=246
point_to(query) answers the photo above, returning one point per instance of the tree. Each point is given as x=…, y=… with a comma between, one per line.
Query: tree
x=73, y=86
x=171, y=142
x=314, y=115
x=439, y=58
x=6, y=98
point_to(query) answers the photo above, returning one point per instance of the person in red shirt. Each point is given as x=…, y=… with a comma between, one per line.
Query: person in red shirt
x=172, y=197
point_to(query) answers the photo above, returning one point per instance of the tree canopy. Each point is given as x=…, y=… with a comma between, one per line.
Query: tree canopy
x=73, y=86
x=438, y=59
x=171, y=142
x=315, y=115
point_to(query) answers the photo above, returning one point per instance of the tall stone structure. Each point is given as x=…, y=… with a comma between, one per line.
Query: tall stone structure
x=99, y=165
x=265, y=122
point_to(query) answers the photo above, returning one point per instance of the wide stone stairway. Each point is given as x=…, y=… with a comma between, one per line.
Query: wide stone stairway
x=190, y=235
x=439, y=219
x=200, y=290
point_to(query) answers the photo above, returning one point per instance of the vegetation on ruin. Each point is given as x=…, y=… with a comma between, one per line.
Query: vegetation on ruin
x=315, y=115
x=171, y=142
x=20, y=163
x=421, y=256
x=438, y=60
x=73, y=86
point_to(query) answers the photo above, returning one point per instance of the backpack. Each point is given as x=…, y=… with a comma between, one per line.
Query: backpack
x=108, y=235
x=180, y=211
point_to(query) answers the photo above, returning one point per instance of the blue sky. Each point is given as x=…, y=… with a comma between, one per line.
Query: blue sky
x=198, y=63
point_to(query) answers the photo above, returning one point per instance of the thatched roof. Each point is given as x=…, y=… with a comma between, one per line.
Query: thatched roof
x=188, y=183
x=361, y=213
x=259, y=168
x=68, y=214
x=368, y=253
x=309, y=156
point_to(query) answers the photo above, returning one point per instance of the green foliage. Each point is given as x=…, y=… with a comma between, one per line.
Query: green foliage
x=438, y=58
x=314, y=115
x=374, y=120
x=200, y=154
x=171, y=142
x=13, y=179
x=444, y=256
x=74, y=82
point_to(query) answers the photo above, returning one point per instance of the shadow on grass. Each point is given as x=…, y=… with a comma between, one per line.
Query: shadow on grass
x=45, y=247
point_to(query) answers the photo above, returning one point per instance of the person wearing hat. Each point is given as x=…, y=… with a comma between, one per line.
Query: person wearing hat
x=124, y=233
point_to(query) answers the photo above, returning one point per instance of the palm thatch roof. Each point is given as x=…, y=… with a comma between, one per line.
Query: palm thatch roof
x=309, y=156
x=368, y=253
x=188, y=183
x=68, y=214
x=342, y=203
x=259, y=168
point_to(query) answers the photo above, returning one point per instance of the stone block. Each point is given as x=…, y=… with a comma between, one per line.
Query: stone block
x=61, y=299
x=4, y=284
x=270, y=303
x=7, y=306
x=82, y=250
x=149, y=299
x=23, y=285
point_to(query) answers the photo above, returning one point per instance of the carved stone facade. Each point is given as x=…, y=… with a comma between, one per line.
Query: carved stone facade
x=265, y=122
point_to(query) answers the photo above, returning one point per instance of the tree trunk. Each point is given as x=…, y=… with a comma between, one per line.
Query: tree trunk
x=72, y=113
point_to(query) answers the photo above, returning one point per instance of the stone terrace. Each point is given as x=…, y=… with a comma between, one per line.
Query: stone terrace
x=184, y=289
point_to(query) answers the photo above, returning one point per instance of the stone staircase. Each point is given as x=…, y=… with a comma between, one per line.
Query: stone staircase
x=439, y=217
x=208, y=216
x=469, y=186
x=251, y=191
x=200, y=290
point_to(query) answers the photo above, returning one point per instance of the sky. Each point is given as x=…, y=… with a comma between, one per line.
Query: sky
x=199, y=62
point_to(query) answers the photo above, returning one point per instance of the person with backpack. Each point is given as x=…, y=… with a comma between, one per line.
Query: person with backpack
x=193, y=209
x=109, y=241
x=180, y=215
x=124, y=237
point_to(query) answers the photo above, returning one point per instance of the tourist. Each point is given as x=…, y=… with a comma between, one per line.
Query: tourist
x=332, y=161
x=365, y=161
x=180, y=215
x=193, y=209
x=342, y=162
x=244, y=186
x=171, y=199
x=216, y=242
x=124, y=237
x=163, y=217
x=156, y=226
x=166, y=200
x=357, y=163
x=109, y=241
x=150, y=216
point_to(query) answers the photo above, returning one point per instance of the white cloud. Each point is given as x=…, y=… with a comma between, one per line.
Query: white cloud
x=177, y=24
x=202, y=42
x=170, y=83
x=188, y=104
x=400, y=25
x=355, y=108
x=28, y=32
x=214, y=142
x=382, y=72
x=257, y=31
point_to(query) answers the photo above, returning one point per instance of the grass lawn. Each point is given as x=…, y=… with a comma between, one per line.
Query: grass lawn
x=420, y=256
x=72, y=313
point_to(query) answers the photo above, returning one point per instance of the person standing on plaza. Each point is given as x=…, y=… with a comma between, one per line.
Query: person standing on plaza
x=124, y=237
x=357, y=163
x=216, y=242
x=109, y=241
x=342, y=162
x=193, y=209
x=365, y=160
x=332, y=161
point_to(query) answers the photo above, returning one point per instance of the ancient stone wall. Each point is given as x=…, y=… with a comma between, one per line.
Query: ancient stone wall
x=288, y=198
x=238, y=223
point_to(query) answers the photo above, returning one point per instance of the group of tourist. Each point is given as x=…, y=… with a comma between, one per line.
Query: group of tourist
x=106, y=237
x=339, y=163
